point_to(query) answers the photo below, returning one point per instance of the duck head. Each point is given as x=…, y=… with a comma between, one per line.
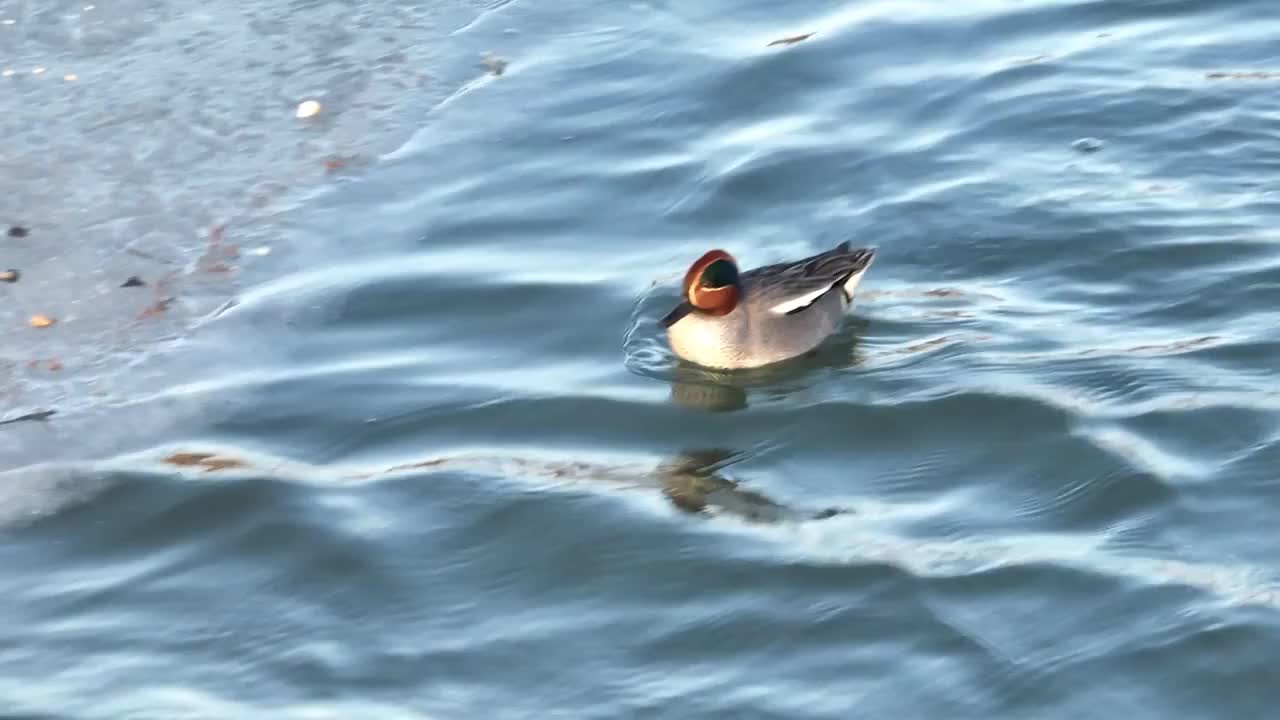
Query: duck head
x=711, y=287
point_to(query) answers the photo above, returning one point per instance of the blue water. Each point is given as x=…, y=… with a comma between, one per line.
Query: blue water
x=432, y=458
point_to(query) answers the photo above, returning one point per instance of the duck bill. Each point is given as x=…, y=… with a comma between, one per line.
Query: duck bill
x=673, y=317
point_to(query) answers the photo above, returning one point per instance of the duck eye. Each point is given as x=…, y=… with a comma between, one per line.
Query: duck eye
x=718, y=274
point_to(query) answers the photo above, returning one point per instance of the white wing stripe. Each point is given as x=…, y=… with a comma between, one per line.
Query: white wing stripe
x=794, y=303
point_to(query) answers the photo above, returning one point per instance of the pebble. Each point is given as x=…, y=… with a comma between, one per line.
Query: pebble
x=10, y=276
x=496, y=65
x=17, y=231
x=41, y=321
x=133, y=281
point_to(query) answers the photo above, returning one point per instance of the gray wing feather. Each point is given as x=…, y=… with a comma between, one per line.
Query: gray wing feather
x=774, y=284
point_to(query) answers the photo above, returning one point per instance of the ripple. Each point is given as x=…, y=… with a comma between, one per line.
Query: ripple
x=841, y=541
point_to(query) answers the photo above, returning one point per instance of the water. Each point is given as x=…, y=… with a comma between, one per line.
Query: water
x=431, y=458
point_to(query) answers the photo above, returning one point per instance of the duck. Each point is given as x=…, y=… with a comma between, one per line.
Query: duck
x=728, y=319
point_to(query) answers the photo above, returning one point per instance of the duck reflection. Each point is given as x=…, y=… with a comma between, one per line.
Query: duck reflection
x=709, y=396
x=692, y=481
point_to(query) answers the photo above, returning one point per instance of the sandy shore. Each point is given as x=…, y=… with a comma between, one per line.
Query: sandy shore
x=151, y=150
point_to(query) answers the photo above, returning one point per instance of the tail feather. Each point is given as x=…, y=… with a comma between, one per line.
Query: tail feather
x=850, y=282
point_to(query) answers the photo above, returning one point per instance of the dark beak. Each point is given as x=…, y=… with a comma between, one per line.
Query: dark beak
x=684, y=308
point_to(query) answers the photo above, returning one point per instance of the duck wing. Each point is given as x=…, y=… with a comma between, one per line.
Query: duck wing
x=789, y=287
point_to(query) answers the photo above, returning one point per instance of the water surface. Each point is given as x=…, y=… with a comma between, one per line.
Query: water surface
x=431, y=457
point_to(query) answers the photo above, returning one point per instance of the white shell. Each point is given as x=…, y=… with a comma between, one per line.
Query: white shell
x=308, y=109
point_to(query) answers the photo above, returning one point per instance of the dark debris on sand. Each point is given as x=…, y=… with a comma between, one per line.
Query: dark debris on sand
x=30, y=417
x=790, y=40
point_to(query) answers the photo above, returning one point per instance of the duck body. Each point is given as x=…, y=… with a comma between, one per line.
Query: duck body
x=732, y=320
